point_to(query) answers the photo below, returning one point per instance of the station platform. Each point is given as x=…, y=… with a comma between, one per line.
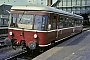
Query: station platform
x=75, y=48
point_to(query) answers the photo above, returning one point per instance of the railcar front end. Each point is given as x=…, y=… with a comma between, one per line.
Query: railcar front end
x=28, y=29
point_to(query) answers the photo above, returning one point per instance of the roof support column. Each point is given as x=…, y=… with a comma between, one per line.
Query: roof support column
x=49, y=2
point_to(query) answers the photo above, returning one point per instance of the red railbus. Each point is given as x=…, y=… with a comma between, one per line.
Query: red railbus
x=34, y=26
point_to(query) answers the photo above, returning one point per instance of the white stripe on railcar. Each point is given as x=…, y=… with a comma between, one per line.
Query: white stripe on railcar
x=44, y=31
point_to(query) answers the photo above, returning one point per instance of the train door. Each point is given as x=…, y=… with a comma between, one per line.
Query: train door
x=55, y=25
x=38, y=22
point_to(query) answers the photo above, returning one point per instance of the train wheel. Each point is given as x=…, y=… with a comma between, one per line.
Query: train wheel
x=33, y=45
x=14, y=44
x=81, y=31
x=23, y=45
x=42, y=50
x=52, y=42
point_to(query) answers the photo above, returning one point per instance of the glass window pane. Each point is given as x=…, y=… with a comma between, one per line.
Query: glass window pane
x=73, y=2
x=88, y=2
x=38, y=22
x=78, y=3
x=61, y=22
x=64, y=3
x=44, y=22
x=2, y=22
x=54, y=22
x=13, y=20
x=83, y=2
x=68, y=3
x=5, y=22
x=26, y=19
x=60, y=4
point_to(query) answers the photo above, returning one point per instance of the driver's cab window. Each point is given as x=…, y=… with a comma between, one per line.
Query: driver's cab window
x=13, y=20
x=25, y=21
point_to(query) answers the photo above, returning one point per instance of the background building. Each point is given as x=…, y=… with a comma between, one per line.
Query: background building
x=4, y=18
x=81, y=7
x=4, y=15
x=75, y=6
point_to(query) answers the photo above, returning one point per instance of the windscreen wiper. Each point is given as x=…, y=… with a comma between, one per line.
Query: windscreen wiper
x=22, y=16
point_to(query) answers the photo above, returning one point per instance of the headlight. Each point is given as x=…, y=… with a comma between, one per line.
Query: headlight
x=10, y=33
x=35, y=36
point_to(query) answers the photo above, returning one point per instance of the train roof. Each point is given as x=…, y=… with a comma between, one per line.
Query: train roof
x=44, y=8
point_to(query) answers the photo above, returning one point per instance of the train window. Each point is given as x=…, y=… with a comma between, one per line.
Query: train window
x=54, y=22
x=77, y=22
x=13, y=20
x=80, y=22
x=40, y=22
x=44, y=22
x=61, y=22
x=26, y=19
x=65, y=22
x=72, y=22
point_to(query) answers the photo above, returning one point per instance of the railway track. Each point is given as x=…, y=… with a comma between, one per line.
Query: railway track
x=15, y=57
x=2, y=37
x=23, y=55
x=7, y=53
